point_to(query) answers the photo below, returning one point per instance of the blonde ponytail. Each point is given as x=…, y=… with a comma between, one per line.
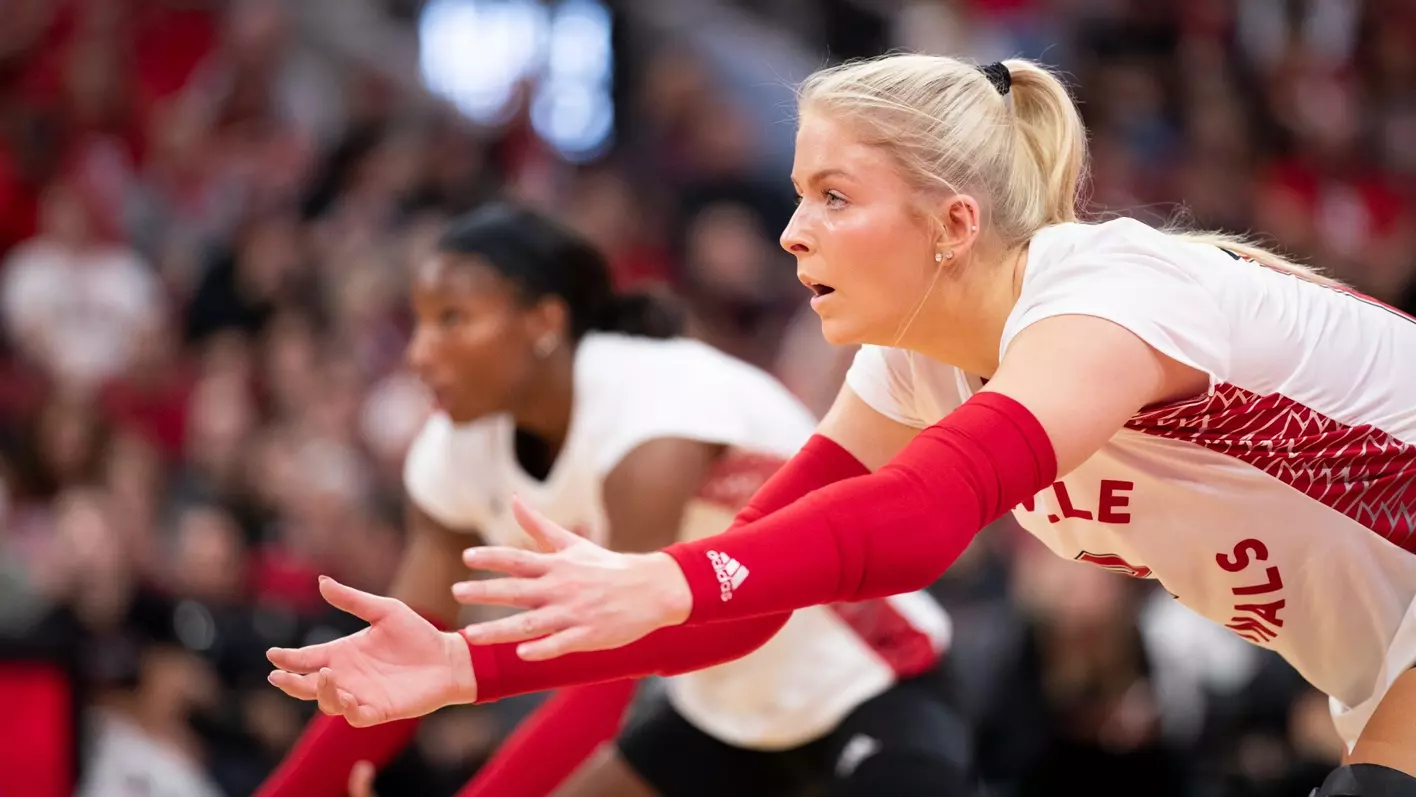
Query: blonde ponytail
x=1051, y=149
x=1023, y=153
x=952, y=130
x=1245, y=248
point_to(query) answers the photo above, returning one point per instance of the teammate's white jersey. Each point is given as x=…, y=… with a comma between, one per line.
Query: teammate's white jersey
x=1282, y=504
x=628, y=390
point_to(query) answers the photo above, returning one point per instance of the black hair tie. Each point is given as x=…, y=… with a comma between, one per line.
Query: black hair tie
x=998, y=74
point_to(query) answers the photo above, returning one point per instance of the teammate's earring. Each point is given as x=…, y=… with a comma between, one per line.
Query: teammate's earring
x=940, y=257
x=546, y=345
x=973, y=228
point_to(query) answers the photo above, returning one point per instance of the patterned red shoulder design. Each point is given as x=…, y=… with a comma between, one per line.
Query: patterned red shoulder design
x=1360, y=471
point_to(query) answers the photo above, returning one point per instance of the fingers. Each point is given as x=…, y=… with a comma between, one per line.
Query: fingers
x=522, y=593
x=327, y=695
x=367, y=607
x=300, y=687
x=517, y=628
x=511, y=561
x=571, y=640
x=302, y=660
x=361, y=780
x=549, y=537
x=322, y=688
x=364, y=716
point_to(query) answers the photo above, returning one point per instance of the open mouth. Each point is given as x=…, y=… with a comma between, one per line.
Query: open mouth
x=820, y=289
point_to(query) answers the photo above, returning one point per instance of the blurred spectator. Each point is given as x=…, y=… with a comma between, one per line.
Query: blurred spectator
x=76, y=304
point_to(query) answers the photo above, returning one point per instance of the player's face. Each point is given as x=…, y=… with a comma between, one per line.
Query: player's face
x=472, y=343
x=861, y=246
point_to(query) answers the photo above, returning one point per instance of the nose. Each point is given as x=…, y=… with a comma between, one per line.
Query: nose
x=794, y=237
x=419, y=355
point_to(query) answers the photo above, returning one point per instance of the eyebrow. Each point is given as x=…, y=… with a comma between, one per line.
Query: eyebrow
x=822, y=174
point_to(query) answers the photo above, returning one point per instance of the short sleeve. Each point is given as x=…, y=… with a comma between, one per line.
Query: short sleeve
x=1149, y=283
x=883, y=378
x=436, y=477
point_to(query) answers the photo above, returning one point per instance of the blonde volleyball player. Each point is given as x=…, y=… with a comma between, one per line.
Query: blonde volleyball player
x=553, y=388
x=1182, y=408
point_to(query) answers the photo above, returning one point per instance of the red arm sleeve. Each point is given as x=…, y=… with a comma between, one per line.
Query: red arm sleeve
x=820, y=462
x=673, y=651
x=893, y=531
x=669, y=651
x=320, y=762
x=552, y=743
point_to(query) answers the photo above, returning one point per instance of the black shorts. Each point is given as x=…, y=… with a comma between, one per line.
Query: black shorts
x=905, y=742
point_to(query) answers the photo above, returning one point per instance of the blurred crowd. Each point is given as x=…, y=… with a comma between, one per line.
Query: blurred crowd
x=206, y=225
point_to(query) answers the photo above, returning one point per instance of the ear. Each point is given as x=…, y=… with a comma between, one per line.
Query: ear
x=959, y=218
x=548, y=319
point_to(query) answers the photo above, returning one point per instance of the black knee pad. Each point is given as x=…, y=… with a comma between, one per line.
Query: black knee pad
x=905, y=773
x=1367, y=780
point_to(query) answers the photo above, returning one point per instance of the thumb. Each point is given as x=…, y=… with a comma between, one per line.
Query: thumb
x=549, y=537
x=361, y=780
x=369, y=608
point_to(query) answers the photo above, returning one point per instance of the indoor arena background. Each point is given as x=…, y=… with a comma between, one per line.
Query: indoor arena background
x=228, y=195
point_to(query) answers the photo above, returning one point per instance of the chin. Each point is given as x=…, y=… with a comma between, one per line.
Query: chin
x=838, y=333
x=461, y=416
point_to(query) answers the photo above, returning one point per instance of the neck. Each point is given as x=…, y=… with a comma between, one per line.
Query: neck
x=545, y=412
x=962, y=325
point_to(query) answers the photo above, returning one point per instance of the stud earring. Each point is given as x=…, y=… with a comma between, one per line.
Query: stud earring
x=939, y=257
x=545, y=346
x=973, y=228
x=949, y=256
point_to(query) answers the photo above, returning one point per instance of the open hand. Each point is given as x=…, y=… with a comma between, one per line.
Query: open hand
x=578, y=596
x=398, y=668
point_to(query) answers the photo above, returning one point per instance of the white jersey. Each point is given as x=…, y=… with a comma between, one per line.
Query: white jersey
x=826, y=660
x=1282, y=503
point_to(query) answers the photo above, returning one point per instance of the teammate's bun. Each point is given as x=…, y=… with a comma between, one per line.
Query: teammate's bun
x=545, y=258
x=648, y=315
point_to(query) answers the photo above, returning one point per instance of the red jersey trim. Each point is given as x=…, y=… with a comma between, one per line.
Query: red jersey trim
x=1360, y=471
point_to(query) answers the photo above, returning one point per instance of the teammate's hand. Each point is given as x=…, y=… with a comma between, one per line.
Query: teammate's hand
x=361, y=780
x=398, y=668
x=578, y=596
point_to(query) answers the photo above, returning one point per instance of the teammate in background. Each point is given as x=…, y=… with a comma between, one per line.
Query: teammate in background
x=1179, y=407
x=553, y=388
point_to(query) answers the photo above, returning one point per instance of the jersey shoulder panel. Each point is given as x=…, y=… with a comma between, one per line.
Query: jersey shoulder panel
x=636, y=389
x=1162, y=289
x=446, y=471
x=905, y=387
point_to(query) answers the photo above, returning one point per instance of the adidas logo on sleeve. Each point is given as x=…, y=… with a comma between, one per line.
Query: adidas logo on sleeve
x=730, y=573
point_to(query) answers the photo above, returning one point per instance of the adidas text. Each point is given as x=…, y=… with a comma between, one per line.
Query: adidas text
x=730, y=573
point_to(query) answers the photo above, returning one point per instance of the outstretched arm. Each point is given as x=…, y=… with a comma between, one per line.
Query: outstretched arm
x=1066, y=385
x=322, y=758
x=369, y=677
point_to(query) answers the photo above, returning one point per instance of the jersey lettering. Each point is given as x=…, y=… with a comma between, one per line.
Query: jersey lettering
x=1240, y=558
x=1256, y=622
x=1112, y=495
x=1112, y=499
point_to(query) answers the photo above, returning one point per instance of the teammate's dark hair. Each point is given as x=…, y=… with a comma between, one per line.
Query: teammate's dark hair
x=544, y=258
